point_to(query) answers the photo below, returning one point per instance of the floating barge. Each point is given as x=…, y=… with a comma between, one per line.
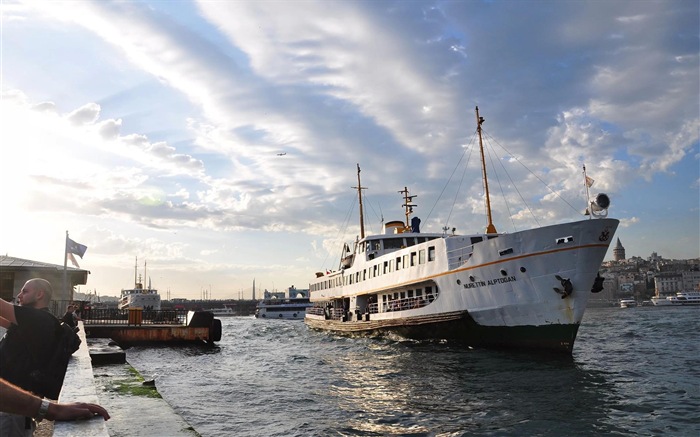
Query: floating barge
x=142, y=327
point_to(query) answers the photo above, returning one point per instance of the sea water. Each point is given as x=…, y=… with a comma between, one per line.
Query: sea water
x=633, y=372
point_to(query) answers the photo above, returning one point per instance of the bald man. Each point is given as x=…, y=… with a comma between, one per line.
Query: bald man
x=29, y=343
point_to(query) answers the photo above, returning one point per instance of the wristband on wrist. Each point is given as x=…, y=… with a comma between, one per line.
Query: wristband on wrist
x=43, y=409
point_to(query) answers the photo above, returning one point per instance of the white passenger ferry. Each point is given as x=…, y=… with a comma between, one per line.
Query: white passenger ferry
x=526, y=289
x=139, y=297
x=289, y=305
x=681, y=298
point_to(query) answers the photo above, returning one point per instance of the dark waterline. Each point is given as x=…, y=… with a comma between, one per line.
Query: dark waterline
x=633, y=372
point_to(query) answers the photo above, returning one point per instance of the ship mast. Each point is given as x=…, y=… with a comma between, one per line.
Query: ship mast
x=408, y=205
x=490, y=228
x=359, y=188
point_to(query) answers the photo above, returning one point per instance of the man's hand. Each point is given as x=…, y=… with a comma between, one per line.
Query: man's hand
x=74, y=411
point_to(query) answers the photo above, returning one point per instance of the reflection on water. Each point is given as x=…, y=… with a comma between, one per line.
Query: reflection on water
x=413, y=389
x=271, y=377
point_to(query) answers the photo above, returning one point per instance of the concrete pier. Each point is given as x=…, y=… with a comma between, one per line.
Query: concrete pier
x=130, y=414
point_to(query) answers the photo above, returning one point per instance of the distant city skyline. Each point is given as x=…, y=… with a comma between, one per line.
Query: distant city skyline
x=218, y=141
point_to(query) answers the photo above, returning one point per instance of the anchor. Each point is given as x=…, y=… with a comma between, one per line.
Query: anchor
x=568, y=287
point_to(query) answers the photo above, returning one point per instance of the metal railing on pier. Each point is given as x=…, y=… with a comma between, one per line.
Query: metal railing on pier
x=133, y=316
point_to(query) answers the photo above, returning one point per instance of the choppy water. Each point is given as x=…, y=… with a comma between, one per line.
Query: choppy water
x=633, y=372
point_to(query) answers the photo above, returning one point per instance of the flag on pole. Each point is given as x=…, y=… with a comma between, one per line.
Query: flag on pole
x=589, y=182
x=73, y=247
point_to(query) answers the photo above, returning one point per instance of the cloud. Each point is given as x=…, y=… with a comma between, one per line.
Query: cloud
x=87, y=114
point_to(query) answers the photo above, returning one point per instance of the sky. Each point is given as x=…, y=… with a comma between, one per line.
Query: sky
x=218, y=142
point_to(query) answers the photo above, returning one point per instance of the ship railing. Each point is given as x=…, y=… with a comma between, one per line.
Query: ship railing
x=457, y=257
x=408, y=303
x=318, y=311
x=133, y=316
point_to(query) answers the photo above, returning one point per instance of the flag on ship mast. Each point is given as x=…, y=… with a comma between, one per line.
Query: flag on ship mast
x=589, y=182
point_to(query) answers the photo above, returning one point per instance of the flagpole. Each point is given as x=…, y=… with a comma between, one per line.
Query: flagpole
x=65, y=269
x=588, y=195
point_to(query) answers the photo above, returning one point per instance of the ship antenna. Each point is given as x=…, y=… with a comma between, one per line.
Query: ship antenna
x=359, y=188
x=490, y=228
x=408, y=205
x=136, y=269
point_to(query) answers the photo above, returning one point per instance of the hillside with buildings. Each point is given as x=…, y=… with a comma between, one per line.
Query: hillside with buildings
x=642, y=279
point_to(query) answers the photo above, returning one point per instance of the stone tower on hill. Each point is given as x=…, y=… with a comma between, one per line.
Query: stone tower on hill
x=619, y=251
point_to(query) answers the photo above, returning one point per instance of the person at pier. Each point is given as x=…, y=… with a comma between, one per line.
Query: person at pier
x=20, y=402
x=28, y=345
x=70, y=318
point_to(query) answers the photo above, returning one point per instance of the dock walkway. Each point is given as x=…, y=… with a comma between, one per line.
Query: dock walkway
x=135, y=409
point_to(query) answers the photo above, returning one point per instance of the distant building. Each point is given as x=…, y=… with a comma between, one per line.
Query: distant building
x=619, y=251
x=667, y=284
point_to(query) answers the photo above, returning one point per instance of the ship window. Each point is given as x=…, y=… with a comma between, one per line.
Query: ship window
x=364, y=274
x=393, y=243
x=375, y=269
x=564, y=240
x=377, y=245
x=410, y=242
x=398, y=263
x=419, y=292
x=386, y=267
x=506, y=251
x=413, y=258
x=391, y=265
x=421, y=256
x=405, y=262
x=476, y=240
x=431, y=253
x=410, y=293
x=403, y=295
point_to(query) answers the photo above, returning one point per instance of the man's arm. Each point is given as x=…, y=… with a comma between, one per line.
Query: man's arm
x=14, y=400
x=7, y=311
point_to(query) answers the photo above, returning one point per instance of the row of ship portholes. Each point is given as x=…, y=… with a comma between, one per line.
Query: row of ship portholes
x=279, y=316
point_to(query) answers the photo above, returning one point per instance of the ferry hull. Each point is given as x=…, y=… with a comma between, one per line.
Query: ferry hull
x=460, y=328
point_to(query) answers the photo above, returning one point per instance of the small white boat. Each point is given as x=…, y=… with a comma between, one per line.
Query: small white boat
x=139, y=297
x=628, y=303
x=289, y=305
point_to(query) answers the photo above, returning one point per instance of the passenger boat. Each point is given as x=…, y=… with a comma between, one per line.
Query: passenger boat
x=139, y=297
x=526, y=289
x=289, y=305
x=681, y=298
x=686, y=298
x=628, y=303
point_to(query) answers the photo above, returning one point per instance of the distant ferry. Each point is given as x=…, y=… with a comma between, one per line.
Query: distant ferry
x=225, y=311
x=682, y=298
x=139, y=297
x=291, y=305
x=525, y=289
